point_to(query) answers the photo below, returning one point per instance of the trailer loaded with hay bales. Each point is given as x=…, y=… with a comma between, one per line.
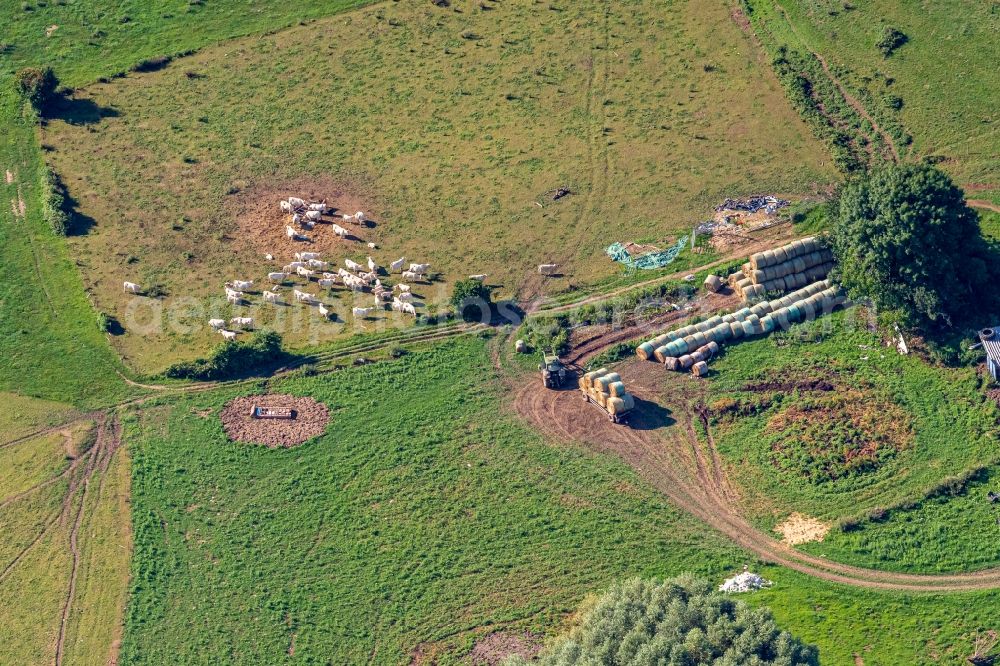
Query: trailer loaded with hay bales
x=606, y=390
x=792, y=266
x=693, y=346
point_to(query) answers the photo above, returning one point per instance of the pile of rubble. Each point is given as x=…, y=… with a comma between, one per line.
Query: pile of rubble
x=744, y=582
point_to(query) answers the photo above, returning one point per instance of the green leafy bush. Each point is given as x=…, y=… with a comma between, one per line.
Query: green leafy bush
x=890, y=40
x=38, y=86
x=472, y=300
x=260, y=354
x=680, y=621
x=53, y=202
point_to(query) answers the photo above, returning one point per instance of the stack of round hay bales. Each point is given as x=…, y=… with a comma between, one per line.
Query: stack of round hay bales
x=607, y=390
x=792, y=266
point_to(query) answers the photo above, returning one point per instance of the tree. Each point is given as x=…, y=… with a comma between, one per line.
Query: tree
x=890, y=40
x=905, y=240
x=680, y=621
x=38, y=86
x=472, y=300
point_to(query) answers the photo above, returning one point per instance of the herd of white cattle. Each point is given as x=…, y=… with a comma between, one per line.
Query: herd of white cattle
x=310, y=266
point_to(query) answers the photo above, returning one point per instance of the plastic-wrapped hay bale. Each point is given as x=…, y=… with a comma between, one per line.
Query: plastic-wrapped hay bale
x=685, y=361
x=767, y=324
x=671, y=363
x=722, y=333
x=748, y=329
x=736, y=330
x=728, y=319
x=699, y=369
x=689, y=341
x=742, y=313
x=699, y=357
x=794, y=313
x=780, y=318
x=617, y=389
x=713, y=348
x=699, y=339
x=629, y=402
x=808, y=310
x=644, y=350
x=713, y=283
x=661, y=353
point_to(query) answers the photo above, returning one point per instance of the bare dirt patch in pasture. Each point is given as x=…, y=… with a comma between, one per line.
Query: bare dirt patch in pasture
x=261, y=224
x=799, y=528
x=491, y=650
x=10, y=177
x=310, y=420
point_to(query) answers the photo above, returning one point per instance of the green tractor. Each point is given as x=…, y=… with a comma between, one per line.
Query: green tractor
x=553, y=371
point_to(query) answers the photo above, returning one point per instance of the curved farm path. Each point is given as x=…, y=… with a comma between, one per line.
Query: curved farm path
x=983, y=203
x=662, y=444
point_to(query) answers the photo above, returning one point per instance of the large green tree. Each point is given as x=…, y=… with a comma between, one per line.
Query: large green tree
x=680, y=622
x=906, y=241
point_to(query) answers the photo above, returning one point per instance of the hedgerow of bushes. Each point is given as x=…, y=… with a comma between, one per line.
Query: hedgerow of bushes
x=258, y=355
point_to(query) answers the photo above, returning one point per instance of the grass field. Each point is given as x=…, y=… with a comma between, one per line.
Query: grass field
x=881, y=432
x=495, y=109
x=948, y=103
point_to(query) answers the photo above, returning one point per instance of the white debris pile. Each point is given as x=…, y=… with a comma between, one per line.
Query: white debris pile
x=744, y=582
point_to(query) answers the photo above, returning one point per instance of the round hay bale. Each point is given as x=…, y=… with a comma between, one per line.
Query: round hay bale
x=780, y=256
x=699, y=339
x=685, y=361
x=699, y=369
x=794, y=249
x=756, y=261
x=629, y=402
x=616, y=405
x=520, y=346
x=794, y=313
x=643, y=351
x=713, y=348
x=699, y=357
x=671, y=363
x=748, y=329
x=767, y=324
x=808, y=310
x=781, y=320
x=661, y=353
x=736, y=329
x=617, y=389
x=713, y=283
x=757, y=276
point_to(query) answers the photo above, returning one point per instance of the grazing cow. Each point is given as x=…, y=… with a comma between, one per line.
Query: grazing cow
x=368, y=278
x=547, y=269
x=217, y=323
x=303, y=297
x=242, y=285
x=371, y=245
x=318, y=265
x=296, y=218
x=271, y=297
x=285, y=206
x=233, y=293
x=359, y=217
x=228, y=335
x=340, y=231
x=353, y=265
x=295, y=202
x=235, y=298
x=411, y=276
x=241, y=322
x=319, y=207
x=382, y=297
x=314, y=215
x=305, y=272
x=372, y=266
x=269, y=257
x=132, y=288
x=323, y=310
x=356, y=285
x=406, y=297
x=290, y=232
x=307, y=225
x=326, y=283
x=419, y=269
x=409, y=308
x=479, y=277
x=403, y=288
x=396, y=305
x=397, y=266
x=277, y=277
x=296, y=265
x=362, y=312
x=306, y=256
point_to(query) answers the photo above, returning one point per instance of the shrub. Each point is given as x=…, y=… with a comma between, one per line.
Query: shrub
x=472, y=294
x=260, y=354
x=681, y=621
x=38, y=86
x=890, y=40
x=53, y=195
x=152, y=64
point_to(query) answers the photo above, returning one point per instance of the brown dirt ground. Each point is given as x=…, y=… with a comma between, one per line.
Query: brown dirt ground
x=310, y=420
x=261, y=224
x=799, y=528
x=492, y=649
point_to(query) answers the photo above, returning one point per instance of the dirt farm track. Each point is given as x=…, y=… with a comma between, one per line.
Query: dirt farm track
x=661, y=443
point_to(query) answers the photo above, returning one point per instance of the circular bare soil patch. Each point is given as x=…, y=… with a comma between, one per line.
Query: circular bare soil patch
x=261, y=224
x=310, y=419
x=492, y=649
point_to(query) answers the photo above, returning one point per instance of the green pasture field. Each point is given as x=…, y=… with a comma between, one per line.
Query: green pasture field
x=939, y=419
x=447, y=127
x=430, y=528
x=945, y=74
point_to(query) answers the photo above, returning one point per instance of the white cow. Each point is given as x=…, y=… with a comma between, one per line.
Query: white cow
x=306, y=256
x=326, y=283
x=339, y=230
x=368, y=278
x=305, y=272
x=228, y=335
x=277, y=277
x=314, y=215
x=547, y=269
x=406, y=297
x=318, y=264
x=296, y=218
x=353, y=265
x=478, y=277
x=303, y=297
x=323, y=310
x=372, y=266
x=419, y=269
x=271, y=297
x=359, y=217
x=233, y=293
x=242, y=285
x=403, y=288
x=235, y=298
x=371, y=245
x=296, y=265
x=290, y=232
x=356, y=285
x=382, y=297
x=241, y=322
x=410, y=275
x=409, y=308
x=217, y=323
x=362, y=312
x=397, y=266
x=295, y=202
x=132, y=288
x=320, y=207
x=285, y=206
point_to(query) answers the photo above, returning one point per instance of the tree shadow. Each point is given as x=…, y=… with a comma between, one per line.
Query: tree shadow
x=649, y=415
x=79, y=111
